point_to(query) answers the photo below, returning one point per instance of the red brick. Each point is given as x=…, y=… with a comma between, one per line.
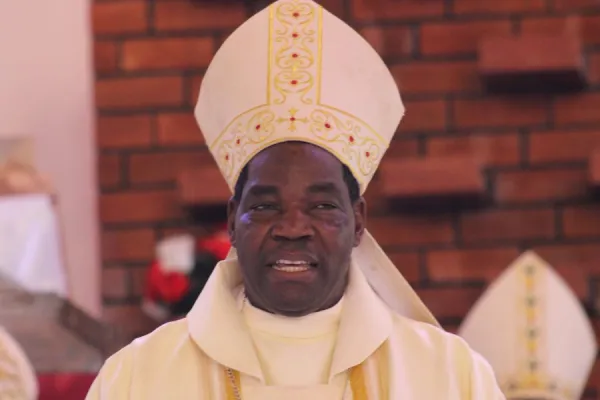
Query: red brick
x=571, y=256
x=119, y=93
x=594, y=379
x=128, y=245
x=194, y=85
x=469, y=264
x=130, y=318
x=498, y=7
x=582, y=108
x=336, y=7
x=139, y=277
x=202, y=186
x=149, y=54
x=165, y=166
x=594, y=67
x=544, y=185
x=179, y=129
x=489, y=150
x=424, y=115
x=392, y=41
x=438, y=77
x=109, y=170
x=115, y=282
x=576, y=5
x=449, y=302
x=408, y=230
x=119, y=17
x=561, y=146
x=408, y=264
x=428, y=177
x=581, y=221
x=185, y=15
x=574, y=263
x=498, y=112
x=588, y=27
x=369, y=10
x=459, y=37
x=139, y=206
x=593, y=169
x=105, y=56
x=508, y=225
x=402, y=148
x=124, y=131
x=376, y=202
x=501, y=56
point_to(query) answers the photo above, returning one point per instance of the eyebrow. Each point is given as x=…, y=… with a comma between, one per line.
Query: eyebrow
x=324, y=187
x=271, y=190
x=263, y=190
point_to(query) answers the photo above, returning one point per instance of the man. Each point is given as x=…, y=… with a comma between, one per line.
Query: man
x=298, y=110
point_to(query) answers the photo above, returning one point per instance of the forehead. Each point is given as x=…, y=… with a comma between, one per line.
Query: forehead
x=294, y=163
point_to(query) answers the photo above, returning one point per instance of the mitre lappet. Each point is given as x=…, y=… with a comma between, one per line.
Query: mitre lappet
x=295, y=72
x=531, y=328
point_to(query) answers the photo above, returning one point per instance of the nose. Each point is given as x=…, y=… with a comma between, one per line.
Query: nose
x=293, y=225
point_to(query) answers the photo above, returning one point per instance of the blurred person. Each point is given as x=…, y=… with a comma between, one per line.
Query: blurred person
x=298, y=110
x=531, y=327
x=17, y=376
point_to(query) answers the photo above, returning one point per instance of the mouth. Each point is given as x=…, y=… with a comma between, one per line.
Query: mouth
x=292, y=266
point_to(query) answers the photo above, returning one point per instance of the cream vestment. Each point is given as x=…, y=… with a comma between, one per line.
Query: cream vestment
x=532, y=329
x=397, y=358
x=295, y=72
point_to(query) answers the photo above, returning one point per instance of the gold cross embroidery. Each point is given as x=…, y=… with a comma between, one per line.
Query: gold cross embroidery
x=292, y=119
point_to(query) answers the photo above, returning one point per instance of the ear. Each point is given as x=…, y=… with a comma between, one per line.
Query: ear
x=232, y=206
x=360, y=219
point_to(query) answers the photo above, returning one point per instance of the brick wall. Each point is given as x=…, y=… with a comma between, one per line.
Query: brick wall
x=150, y=56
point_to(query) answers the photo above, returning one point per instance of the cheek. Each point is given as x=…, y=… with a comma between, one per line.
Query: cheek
x=338, y=234
x=249, y=234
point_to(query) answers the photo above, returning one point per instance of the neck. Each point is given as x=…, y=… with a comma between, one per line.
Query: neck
x=293, y=313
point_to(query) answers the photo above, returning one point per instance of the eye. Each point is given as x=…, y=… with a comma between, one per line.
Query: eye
x=263, y=207
x=325, y=206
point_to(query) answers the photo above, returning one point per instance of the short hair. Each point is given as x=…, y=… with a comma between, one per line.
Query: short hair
x=349, y=179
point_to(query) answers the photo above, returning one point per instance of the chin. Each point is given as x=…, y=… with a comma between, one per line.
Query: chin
x=293, y=307
x=294, y=312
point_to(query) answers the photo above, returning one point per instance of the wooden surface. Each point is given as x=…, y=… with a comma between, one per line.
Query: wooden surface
x=52, y=344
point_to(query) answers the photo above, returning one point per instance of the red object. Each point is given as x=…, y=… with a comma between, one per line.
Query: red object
x=166, y=286
x=217, y=244
x=64, y=386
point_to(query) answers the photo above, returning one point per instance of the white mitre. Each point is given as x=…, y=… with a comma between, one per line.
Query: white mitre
x=295, y=72
x=533, y=331
x=17, y=376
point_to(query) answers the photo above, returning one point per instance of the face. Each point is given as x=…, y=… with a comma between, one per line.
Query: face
x=294, y=229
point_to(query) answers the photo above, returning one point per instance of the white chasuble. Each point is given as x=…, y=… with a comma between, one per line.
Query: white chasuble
x=376, y=354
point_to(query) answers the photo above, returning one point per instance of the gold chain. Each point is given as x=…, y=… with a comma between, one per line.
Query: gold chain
x=234, y=386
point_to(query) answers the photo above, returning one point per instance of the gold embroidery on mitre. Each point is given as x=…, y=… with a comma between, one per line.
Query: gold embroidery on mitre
x=532, y=375
x=294, y=104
